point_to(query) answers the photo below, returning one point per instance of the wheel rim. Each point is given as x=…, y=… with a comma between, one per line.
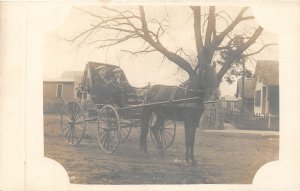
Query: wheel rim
x=72, y=123
x=108, y=129
x=162, y=130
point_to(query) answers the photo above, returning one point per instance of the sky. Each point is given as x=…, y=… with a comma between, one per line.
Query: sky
x=61, y=55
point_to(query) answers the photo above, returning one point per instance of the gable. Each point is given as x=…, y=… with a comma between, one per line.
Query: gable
x=267, y=72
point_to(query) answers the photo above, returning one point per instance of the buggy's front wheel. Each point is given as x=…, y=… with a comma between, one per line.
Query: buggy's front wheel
x=73, y=123
x=108, y=129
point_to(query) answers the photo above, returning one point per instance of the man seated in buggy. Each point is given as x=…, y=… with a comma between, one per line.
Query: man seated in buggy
x=119, y=85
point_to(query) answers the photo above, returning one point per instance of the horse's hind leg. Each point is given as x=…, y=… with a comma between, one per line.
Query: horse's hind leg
x=187, y=142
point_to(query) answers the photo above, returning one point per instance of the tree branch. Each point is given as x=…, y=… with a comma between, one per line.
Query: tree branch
x=238, y=52
x=197, y=29
x=219, y=38
x=178, y=60
x=139, y=52
x=211, y=26
x=261, y=49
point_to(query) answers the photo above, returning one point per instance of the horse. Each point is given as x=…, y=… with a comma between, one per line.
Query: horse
x=203, y=85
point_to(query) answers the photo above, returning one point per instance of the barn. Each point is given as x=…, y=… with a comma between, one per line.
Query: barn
x=57, y=91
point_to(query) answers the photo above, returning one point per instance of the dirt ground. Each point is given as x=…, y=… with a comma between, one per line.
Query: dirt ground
x=223, y=158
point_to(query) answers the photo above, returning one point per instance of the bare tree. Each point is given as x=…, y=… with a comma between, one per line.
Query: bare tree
x=128, y=25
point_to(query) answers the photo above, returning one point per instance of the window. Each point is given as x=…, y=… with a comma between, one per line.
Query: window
x=257, y=98
x=59, y=89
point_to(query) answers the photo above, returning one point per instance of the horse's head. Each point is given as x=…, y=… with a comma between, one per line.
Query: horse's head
x=206, y=79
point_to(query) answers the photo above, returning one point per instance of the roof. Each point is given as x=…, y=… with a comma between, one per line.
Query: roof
x=58, y=80
x=249, y=88
x=229, y=98
x=70, y=75
x=268, y=71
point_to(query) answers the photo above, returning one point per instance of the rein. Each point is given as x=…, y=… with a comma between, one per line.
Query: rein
x=190, y=90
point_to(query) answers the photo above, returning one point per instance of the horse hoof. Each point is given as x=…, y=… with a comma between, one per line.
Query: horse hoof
x=186, y=163
x=194, y=163
x=146, y=154
x=161, y=153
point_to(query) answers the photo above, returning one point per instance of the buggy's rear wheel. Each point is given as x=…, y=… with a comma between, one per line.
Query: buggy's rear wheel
x=108, y=129
x=72, y=123
x=162, y=130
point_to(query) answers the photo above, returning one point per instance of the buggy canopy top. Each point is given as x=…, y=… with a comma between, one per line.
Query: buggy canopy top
x=97, y=74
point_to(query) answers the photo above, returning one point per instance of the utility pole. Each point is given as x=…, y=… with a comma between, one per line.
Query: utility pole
x=243, y=88
x=242, y=111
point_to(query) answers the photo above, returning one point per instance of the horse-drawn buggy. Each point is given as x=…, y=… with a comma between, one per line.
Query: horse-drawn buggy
x=106, y=98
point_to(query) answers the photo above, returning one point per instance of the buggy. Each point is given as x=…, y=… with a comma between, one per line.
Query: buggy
x=114, y=107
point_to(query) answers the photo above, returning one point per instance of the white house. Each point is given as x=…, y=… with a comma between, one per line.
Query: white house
x=266, y=98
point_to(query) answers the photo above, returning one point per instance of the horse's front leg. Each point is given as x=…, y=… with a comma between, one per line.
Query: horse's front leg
x=187, y=144
x=192, y=141
x=192, y=130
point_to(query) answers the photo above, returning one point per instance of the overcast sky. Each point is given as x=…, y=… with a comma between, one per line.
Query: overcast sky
x=61, y=55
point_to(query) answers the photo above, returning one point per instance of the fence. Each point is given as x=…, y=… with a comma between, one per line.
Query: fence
x=251, y=121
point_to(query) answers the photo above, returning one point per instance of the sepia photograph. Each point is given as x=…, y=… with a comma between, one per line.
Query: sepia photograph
x=149, y=95
x=160, y=95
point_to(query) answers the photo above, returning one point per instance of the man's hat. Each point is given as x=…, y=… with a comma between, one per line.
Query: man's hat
x=117, y=69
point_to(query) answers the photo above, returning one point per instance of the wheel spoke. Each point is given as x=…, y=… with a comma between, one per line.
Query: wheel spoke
x=73, y=135
x=105, y=140
x=162, y=140
x=166, y=137
x=77, y=110
x=70, y=134
x=171, y=134
x=70, y=109
x=100, y=133
x=79, y=127
x=69, y=129
x=78, y=116
x=73, y=109
x=108, y=136
x=167, y=124
x=80, y=122
x=169, y=128
x=67, y=118
x=67, y=126
x=102, y=138
x=67, y=112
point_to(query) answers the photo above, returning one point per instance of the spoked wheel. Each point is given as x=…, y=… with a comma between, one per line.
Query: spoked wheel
x=162, y=130
x=108, y=129
x=72, y=123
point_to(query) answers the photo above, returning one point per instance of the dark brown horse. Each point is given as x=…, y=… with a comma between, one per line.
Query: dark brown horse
x=203, y=85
